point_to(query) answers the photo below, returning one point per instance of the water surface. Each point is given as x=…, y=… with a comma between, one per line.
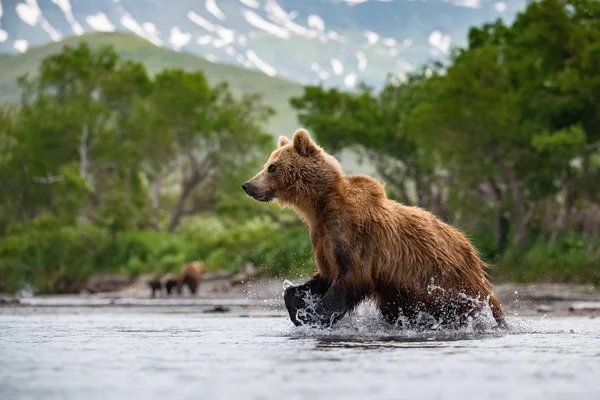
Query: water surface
x=183, y=353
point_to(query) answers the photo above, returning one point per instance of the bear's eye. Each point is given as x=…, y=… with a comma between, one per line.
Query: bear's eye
x=272, y=168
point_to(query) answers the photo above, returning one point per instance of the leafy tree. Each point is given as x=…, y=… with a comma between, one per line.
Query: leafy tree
x=205, y=134
x=105, y=168
x=511, y=125
x=74, y=117
x=377, y=125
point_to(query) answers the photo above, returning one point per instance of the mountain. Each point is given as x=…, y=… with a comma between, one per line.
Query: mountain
x=337, y=42
x=276, y=92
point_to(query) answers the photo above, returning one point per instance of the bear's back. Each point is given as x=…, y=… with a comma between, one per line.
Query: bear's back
x=365, y=189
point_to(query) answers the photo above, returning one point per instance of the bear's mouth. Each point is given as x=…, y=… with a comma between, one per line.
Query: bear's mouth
x=264, y=198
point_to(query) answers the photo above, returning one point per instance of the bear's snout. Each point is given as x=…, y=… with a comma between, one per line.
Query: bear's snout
x=257, y=192
x=246, y=187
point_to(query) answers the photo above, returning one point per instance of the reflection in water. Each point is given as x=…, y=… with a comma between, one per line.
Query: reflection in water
x=386, y=343
x=415, y=340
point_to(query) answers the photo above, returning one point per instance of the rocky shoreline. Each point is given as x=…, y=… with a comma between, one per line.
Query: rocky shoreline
x=219, y=291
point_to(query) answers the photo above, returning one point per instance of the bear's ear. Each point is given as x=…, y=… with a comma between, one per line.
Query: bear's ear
x=282, y=141
x=303, y=143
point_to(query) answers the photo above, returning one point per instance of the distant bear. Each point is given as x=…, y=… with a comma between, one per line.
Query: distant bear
x=190, y=275
x=158, y=282
x=368, y=246
x=170, y=283
x=155, y=284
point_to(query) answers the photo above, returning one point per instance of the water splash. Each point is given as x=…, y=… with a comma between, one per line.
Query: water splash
x=367, y=323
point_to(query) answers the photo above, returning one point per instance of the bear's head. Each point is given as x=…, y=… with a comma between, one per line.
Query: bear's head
x=298, y=171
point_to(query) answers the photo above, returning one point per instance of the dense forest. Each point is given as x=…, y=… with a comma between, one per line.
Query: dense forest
x=104, y=168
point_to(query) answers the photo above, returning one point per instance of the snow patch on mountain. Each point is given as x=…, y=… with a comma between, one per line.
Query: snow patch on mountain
x=467, y=3
x=389, y=42
x=500, y=7
x=204, y=40
x=336, y=66
x=350, y=80
x=286, y=20
x=21, y=45
x=213, y=8
x=100, y=22
x=147, y=30
x=250, y=3
x=371, y=37
x=316, y=23
x=198, y=20
x=440, y=42
x=3, y=33
x=354, y=2
x=178, y=39
x=259, y=22
x=65, y=7
x=30, y=13
x=260, y=64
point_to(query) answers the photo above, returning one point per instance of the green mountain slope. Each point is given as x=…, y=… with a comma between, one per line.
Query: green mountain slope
x=276, y=91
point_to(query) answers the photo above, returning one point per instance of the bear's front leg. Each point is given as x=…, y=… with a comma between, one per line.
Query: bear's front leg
x=298, y=299
x=316, y=303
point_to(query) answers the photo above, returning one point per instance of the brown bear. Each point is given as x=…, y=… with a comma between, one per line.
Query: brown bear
x=155, y=284
x=170, y=283
x=190, y=275
x=368, y=246
x=158, y=282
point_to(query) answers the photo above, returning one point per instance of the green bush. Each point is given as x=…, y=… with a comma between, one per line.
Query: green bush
x=55, y=258
x=573, y=259
x=49, y=256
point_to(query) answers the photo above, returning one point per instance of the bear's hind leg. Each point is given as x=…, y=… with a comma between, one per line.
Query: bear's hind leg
x=332, y=307
x=397, y=307
x=497, y=312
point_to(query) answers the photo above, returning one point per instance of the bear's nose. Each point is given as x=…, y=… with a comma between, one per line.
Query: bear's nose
x=246, y=186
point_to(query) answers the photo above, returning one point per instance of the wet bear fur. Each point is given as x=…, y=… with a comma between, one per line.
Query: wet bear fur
x=367, y=246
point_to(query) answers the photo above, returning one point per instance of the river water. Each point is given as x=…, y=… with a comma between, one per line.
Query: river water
x=141, y=352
